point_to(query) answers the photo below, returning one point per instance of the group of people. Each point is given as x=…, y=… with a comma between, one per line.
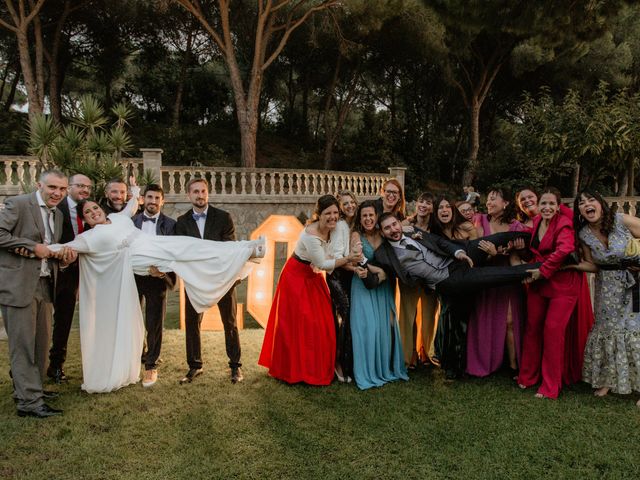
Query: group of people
x=478, y=292
x=57, y=241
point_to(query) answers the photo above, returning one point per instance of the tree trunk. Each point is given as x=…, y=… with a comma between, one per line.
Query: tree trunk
x=631, y=166
x=177, y=105
x=474, y=142
x=35, y=103
x=575, y=179
x=621, y=183
x=12, y=91
x=304, y=121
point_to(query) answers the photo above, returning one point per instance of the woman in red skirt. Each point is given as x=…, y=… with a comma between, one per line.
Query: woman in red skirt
x=300, y=339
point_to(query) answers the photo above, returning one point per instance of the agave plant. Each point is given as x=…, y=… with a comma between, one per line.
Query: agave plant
x=86, y=145
x=43, y=137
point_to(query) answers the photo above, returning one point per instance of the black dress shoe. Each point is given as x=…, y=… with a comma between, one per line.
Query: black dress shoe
x=236, y=375
x=50, y=395
x=191, y=374
x=57, y=375
x=43, y=411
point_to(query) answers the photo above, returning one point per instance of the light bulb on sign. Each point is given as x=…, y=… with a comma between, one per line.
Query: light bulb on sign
x=259, y=295
x=282, y=228
x=260, y=273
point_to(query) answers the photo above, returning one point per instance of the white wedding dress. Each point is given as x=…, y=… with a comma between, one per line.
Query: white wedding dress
x=111, y=322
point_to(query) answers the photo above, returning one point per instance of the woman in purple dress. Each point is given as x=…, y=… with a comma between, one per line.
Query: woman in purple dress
x=496, y=324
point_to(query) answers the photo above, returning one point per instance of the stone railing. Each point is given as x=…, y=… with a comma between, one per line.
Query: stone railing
x=246, y=185
x=17, y=171
x=227, y=184
x=630, y=205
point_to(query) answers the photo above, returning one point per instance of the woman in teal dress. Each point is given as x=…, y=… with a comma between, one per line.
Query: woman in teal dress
x=377, y=348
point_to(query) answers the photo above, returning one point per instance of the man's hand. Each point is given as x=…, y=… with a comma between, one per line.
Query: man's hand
x=67, y=256
x=488, y=247
x=460, y=255
x=42, y=251
x=535, y=275
x=154, y=272
x=24, y=252
x=361, y=272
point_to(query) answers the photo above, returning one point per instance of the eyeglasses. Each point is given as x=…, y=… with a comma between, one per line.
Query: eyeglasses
x=82, y=186
x=392, y=192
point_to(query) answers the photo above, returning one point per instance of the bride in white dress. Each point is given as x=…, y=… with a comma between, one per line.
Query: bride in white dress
x=111, y=323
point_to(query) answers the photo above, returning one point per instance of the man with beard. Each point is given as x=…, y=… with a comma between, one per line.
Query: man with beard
x=153, y=288
x=210, y=223
x=115, y=196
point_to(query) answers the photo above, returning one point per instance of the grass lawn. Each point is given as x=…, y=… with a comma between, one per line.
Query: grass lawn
x=426, y=428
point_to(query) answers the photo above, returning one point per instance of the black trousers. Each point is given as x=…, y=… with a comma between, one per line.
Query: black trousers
x=339, y=283
x=193, y=320
x=153, y=292
x=65, y=299
x=464, y=279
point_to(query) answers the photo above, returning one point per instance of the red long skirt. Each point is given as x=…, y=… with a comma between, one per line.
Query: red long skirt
x=300, y=340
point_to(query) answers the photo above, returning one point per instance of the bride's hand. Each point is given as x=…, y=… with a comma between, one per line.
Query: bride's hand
x=154, y=272
x=132, y=181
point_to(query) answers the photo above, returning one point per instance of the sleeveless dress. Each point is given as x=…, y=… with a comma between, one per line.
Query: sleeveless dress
x=612, y=354
x=487, y=329
x=377, y=347
x=111, y=322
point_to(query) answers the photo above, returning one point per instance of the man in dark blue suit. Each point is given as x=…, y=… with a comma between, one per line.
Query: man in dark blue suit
x=210, y=223
x=153, y=288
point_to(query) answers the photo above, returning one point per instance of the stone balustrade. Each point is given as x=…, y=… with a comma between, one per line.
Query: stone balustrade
x=244, y=185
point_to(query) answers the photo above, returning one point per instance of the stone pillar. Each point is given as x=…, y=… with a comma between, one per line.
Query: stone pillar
x=152, y=161
x=398, y=174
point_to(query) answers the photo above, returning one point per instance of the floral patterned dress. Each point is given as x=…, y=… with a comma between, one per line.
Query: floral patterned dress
x=612, y=353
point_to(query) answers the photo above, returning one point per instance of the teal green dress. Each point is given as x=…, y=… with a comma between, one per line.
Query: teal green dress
x=377, y=350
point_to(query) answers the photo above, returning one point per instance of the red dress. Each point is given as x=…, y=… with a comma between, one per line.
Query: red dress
x=300, y=340
x=550, y=305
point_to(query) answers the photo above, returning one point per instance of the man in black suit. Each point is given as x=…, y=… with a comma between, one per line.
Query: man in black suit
x=115, y=196
x=153, y=288
x=442, y=265
x=80, y=187
x=205, y=221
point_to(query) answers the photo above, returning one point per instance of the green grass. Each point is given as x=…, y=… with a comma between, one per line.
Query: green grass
x=425, y=428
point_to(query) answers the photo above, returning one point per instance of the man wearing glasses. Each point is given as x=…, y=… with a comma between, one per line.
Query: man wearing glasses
x=80, y=188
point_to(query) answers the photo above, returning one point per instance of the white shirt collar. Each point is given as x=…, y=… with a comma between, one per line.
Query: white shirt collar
x=72, y=203
x=156, y=216
x=205, y=211
x=42, y=203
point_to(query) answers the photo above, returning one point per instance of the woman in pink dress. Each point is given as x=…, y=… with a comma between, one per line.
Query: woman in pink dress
x=496, y=324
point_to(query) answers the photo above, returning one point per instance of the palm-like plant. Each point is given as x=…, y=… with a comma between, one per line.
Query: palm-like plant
x=86, y=145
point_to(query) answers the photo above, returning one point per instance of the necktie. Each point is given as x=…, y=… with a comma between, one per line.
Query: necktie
x=198, y=216
x=148, y=219
x=49, y=224
x=80, y=224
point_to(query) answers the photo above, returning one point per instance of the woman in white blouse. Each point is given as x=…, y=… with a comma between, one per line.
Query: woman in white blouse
x=300, y=339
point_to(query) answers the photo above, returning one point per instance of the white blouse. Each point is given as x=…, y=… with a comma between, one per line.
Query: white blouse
x=315, y=250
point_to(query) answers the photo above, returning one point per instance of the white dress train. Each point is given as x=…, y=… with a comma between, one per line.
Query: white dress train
x=111, y=323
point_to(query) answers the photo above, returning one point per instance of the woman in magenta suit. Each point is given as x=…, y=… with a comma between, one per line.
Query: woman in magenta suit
x=551, y=298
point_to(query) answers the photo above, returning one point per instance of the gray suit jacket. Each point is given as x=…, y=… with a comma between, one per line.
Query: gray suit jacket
x=21, y=225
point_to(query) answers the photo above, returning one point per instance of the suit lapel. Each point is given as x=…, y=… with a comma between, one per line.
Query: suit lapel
x=37, y=216
x=209, y=223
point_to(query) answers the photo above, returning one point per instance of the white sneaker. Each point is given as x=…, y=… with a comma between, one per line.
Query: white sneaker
x=150, y=378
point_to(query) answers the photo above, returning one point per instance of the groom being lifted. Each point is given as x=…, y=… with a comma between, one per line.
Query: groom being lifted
x=442, y=265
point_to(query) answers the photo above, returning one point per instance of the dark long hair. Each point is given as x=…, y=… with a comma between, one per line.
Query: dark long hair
x=82, y=203
x=457, y=219
x=510, y=212
x=521, y=215
x=608, y=213
x=357, y=227
x=322, y=204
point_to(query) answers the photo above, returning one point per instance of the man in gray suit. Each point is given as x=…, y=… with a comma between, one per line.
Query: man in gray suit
x=28, y=224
